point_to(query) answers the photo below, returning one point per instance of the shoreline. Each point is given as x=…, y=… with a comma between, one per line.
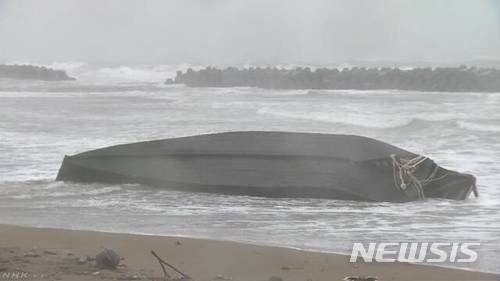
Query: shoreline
x=247, y=243
x=202, y=259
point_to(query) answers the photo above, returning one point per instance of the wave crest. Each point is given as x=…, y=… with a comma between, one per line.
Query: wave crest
x=385, y=122
x=484, y=126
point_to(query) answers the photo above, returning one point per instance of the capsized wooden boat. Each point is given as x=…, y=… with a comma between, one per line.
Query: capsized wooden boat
x=273, y=164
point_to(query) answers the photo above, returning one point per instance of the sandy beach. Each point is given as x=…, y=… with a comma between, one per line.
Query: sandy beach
x=56, y=254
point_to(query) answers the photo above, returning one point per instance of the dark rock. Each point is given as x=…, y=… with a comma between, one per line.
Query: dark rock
x=449, y=79
x=31, y=72
x=107, y=259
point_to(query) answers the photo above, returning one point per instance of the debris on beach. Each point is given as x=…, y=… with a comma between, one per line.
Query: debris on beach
x=285, y=267
x=108, y=258
x=83, y=260
x=165, y=265
x=58, y=265
x=360, y=278
x=31, y=254
x=221, y=277
x=46, y=252
x=132, y=277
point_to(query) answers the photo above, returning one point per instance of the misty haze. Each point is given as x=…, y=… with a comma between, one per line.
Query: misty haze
x=224, y=32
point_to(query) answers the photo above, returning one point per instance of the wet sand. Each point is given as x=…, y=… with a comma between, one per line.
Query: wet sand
x=57, y=254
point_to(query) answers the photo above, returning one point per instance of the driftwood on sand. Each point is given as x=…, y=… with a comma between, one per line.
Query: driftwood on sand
x=167, y=276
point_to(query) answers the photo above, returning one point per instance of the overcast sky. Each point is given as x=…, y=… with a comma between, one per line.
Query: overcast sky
x=248, y=31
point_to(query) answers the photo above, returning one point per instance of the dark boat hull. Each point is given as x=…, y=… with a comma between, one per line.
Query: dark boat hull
x=269, y=164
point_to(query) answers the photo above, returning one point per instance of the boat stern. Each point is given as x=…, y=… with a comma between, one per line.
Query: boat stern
x=451, y=185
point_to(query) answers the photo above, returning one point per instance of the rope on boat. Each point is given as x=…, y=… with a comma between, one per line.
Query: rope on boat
x=405, y=169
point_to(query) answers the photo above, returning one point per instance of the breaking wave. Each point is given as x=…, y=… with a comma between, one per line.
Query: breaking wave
x=117, y=74
x=481, y=127
x=49, y=188
x=386, y=122
x=349, y=120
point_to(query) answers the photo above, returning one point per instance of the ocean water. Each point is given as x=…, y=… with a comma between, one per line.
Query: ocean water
x=40, y=122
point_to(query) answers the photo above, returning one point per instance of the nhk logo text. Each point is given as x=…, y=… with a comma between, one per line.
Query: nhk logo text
x=415, y=252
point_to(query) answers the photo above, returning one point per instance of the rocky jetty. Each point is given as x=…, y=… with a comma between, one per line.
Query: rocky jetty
x=449, y=79
x=31, y=72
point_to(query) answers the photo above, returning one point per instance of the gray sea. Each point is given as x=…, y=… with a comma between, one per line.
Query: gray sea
x=40, y=122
